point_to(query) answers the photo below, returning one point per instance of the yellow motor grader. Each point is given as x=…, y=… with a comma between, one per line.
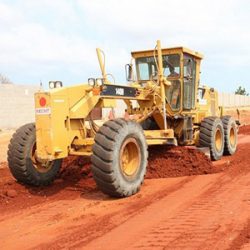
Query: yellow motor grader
x=165, y=105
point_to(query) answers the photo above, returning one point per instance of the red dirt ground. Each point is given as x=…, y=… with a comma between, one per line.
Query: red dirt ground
x=177, y=161
x=203, y=205
x=244, y=130
x=163, y=161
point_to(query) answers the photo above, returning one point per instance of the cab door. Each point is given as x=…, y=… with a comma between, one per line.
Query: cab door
x=189, y=74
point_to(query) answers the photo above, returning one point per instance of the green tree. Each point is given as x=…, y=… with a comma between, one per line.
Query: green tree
x=241, y=91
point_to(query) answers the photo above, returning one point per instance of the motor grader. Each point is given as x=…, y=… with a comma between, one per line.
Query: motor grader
x=165, y=105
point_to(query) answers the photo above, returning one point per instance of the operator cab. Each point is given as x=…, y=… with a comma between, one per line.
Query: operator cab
x=180, y=67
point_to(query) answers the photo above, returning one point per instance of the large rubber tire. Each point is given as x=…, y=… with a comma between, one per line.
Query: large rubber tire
x=112, y=141
x=212, y=136
x=230, y=133
x=22, y=167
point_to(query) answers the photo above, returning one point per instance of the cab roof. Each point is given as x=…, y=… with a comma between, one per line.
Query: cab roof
x=174, y=50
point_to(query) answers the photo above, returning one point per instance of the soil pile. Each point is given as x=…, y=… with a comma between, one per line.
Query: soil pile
x=75, y=168
x=165, y=161
x=239, y=162
x=74, y=180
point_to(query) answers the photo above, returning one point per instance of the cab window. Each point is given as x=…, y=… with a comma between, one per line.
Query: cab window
x=147, y=67
x=189, y=72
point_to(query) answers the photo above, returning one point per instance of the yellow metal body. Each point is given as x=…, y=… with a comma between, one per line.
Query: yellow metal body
x=63, y=115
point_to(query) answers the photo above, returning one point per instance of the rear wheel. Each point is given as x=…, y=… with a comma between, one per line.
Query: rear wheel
x=23, y=163
x=230, y=133
x=119, y=158
x=212, y=136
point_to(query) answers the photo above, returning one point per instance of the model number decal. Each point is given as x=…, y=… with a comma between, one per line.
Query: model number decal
x=119, y=91
x=43, y=111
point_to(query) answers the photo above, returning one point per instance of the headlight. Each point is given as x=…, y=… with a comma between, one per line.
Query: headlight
x=55, y=84
x=91, y=81
x=51, y=84
x=99, y=81
x=58, y=84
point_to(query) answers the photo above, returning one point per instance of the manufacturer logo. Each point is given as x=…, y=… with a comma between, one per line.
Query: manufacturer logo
x=119, y=91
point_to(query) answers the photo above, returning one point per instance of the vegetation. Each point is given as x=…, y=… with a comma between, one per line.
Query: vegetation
x=241, y=91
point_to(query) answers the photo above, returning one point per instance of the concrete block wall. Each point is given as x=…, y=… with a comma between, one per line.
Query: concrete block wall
x=226, y=100
x=16, y=105
x=232, y=100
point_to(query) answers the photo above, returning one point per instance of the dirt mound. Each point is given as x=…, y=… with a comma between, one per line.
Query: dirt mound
x=75, y=168
x=73, y=181
x=165, y=161
x=239, y=162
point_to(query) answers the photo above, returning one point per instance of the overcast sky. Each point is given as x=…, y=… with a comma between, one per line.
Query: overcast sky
x=56, y=40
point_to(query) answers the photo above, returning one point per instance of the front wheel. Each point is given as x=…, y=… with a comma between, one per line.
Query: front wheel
x=22, y=161
x=119, y=158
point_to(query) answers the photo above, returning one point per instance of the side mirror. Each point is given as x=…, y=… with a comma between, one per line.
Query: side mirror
x=129, y=72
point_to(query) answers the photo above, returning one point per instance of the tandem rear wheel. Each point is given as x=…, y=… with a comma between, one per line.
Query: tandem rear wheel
x=220, y=135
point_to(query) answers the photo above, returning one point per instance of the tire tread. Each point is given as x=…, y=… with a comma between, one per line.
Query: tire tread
x=102, y=159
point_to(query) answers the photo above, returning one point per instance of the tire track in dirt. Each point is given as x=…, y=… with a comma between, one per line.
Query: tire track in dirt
x=242, y=241
x=78, y=217
x=202, y=223
x=199, y=226
x=77, y=236
x=140, y=218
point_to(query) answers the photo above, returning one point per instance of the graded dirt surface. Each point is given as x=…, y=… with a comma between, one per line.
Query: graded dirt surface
x=186, y=202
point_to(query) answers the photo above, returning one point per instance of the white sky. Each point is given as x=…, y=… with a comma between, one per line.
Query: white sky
x=47, y=40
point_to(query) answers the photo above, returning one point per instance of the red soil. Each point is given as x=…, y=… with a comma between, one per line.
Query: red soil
x=167, y=161
x=244, y=130
x=75, y=174
x=73, y=180
x=209, y=199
